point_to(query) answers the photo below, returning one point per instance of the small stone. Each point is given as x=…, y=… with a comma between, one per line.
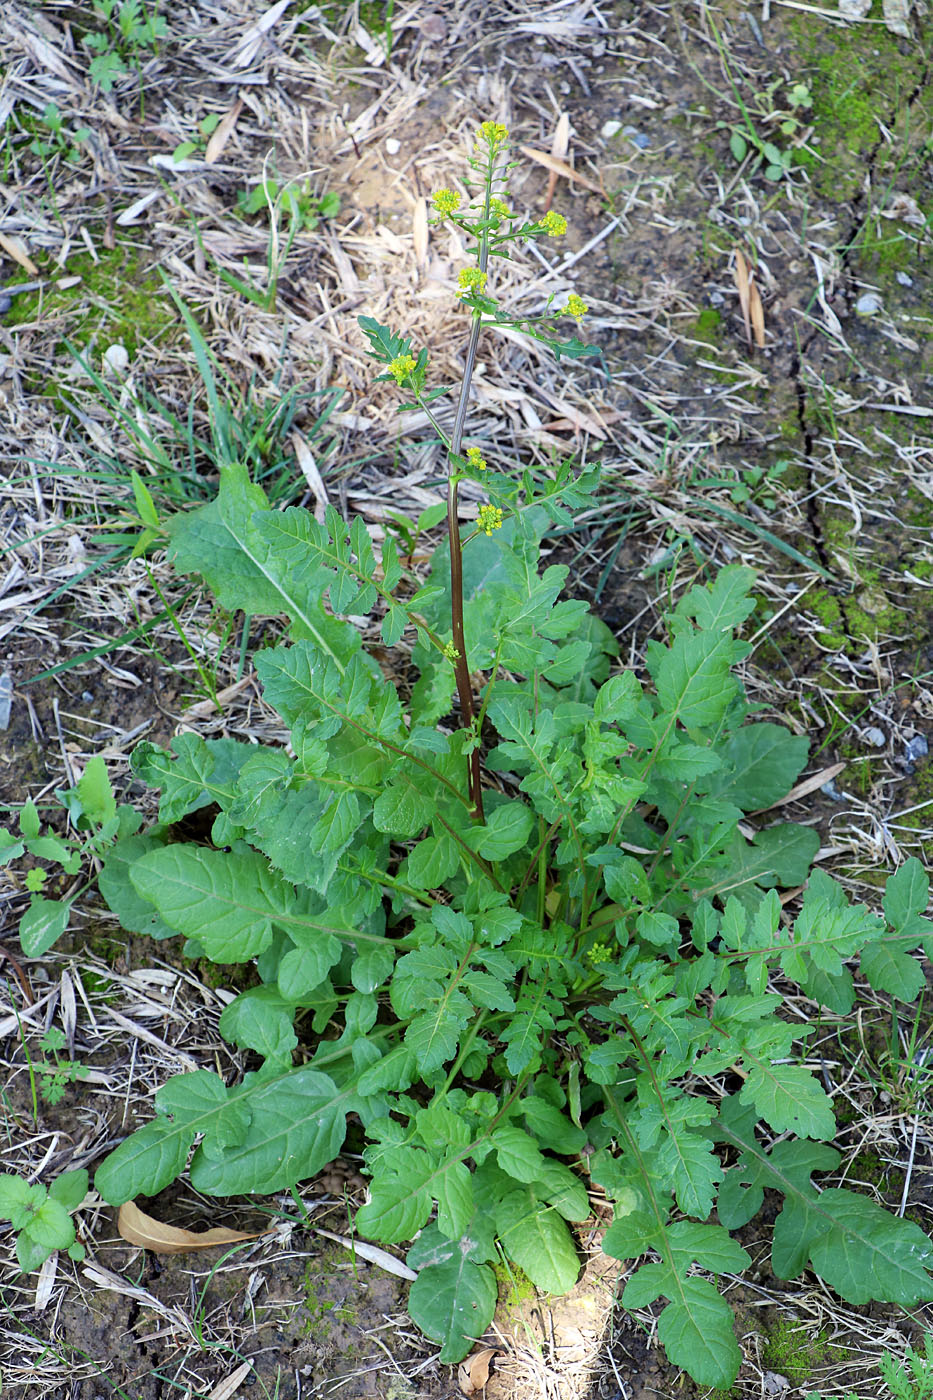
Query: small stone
x=916, y=748
x=116, y=361
x=868, y=304
x=609, y=129
x=716, y=299
x=393, y=146
x=434, y=27
x=904, y=278
x=832, y=791
x=6, y=301
x=637, y=138
x=773, y=1383
x=875, y=737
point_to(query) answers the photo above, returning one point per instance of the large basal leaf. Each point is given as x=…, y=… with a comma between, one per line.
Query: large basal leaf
x=220, y=542
x=144, y=1163
x=453, y=1298
x=136, y=914
x=858, y=1247
x=760, y=764
x=297, y=1126
x=228, y=901
x=870, y=1254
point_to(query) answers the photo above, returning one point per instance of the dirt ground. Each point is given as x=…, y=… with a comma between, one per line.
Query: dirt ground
x=793, y=434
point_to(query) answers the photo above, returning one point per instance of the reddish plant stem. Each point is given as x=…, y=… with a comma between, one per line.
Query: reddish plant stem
x=461, y=664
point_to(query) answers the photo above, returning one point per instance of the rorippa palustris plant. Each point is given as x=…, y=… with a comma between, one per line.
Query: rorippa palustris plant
x=514, y=930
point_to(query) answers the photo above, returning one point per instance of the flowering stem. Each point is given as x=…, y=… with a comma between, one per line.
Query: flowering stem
x=461, y=663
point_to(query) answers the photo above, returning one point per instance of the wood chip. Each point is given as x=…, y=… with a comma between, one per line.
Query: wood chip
x=372, y=1254
x=136, y=1227
x=243, y=53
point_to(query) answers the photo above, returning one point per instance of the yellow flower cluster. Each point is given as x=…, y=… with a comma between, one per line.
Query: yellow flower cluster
x=401, y=367
x=554, y=223
x=599, y=953
x=469, y=280
x=576, y=306
x=493, y=133
x=451, y=652
x=475, y=459
x=499, y=209
x=445, y=202
x=489, y=518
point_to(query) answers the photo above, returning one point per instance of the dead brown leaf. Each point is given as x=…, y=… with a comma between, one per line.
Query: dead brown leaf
x=136, y=1227
x=561, y=167
x=473, y=1373
x=222, y=133
x=757, y=313
x=14, y=249
x=559, y=148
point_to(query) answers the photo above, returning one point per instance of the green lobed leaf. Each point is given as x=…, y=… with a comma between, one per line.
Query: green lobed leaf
x=535, y=1237
x=790, y=1100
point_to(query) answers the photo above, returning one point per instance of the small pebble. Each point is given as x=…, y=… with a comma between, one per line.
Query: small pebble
x=916, y=748
x=87, y=697
x=609, y=129
x=116, y=361
x=637, y=138
x=433, y=27
x=393, y=146
x=716, y=299
x=832, y=791
x=868, y=304
x=6, y=301
x=773, y=1383
x=875, y=737
x=904, y=278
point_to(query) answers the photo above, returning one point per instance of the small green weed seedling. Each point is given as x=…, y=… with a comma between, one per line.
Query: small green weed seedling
x=518, y=909
x=206, y=129
x=42, y=1218
x=910, y=1379
x=755, y=133
x=54, y=139
x=304, y=208
x=56, y=1072
x=97, y=821
x=130, y=27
